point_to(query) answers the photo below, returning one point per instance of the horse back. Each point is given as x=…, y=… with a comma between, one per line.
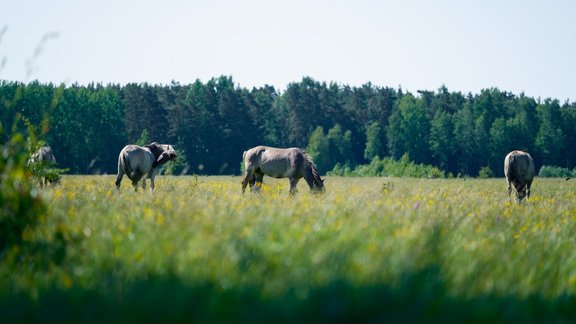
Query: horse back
x=519, y=168
x=274, y=162
x=286, y=162
x=136, y=161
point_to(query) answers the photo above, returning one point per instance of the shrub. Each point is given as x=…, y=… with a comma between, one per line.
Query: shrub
x=550, y=171
x=178, y=166
x=20, y=204
x=389, y=167
x=485, y=172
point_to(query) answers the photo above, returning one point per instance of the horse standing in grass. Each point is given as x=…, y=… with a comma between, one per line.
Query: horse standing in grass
x=519, y=171
x=292, y=163
x=139, y=163
x=40, y=162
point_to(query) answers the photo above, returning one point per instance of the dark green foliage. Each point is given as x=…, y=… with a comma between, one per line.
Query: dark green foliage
x=178, y=166
x=20, y=204
x=409, y=130
x=485, y=172
x=550, y=136
x=143, y=110
x=442, y=144
x=328, y=150
x=374, y=138
x=303, y=106
x=548, y=171
x=214, y=122
x=388, y=167
x=87, y=129
x=419, y=296
x=318, y=148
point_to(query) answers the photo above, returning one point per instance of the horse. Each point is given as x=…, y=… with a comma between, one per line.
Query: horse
x=519, y=171
x=40, y=162
x=292, y=163
x=138, y=162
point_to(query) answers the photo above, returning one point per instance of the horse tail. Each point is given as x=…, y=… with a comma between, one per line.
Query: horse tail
x=245, y=162
x=127, y=166
x=514, y=167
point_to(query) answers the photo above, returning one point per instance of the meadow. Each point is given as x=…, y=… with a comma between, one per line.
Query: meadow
x=368, y=249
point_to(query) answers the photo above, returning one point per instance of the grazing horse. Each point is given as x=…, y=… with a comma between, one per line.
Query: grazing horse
x=40, y=162
x=138, y=162
x=293, y=163
x=519, y=171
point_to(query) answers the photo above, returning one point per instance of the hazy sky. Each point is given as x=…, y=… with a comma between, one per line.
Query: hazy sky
x=518, y=46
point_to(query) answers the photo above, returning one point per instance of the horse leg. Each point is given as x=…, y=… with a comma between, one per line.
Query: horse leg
x=509, y=189
x=520, y=191
x=135, y=185
x=259, y=182
x=256, y=182
x=248, y=177
x=528, y=184
x=152, y=182
x=118, y=180
x=245, y=183
x=293, y=185
x=252, y=184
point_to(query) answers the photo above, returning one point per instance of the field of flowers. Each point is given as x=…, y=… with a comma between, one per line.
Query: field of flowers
x=368, y=249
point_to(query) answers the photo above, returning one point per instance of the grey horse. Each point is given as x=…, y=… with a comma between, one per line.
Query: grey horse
x=141, y=162
x=292, y=163
x=40, y=162
x=519, y=171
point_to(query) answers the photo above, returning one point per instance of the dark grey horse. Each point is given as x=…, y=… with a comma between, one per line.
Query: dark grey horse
x=40, y=163
x=292, y=163
x=519, y=171
x=139, y=162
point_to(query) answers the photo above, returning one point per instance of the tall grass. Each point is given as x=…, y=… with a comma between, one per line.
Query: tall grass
x=368, y=249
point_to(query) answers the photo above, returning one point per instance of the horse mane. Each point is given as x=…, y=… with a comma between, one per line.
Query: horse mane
x=308, y=161
x=155, y=148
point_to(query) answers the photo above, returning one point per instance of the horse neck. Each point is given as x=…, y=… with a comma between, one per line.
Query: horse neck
x=310, y=174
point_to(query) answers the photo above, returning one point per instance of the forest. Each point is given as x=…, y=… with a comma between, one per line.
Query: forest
x=211, y=123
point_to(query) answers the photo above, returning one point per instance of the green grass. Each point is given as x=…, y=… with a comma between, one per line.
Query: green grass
x=369, y=249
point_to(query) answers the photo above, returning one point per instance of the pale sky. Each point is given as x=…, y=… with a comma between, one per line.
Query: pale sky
x=518, y=46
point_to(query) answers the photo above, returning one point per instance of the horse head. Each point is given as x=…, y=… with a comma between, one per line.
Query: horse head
x=521, y=192
x=318, y=186
x=162, y=152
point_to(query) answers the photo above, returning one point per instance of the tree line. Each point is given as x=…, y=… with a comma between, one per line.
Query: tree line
x=211, y=124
